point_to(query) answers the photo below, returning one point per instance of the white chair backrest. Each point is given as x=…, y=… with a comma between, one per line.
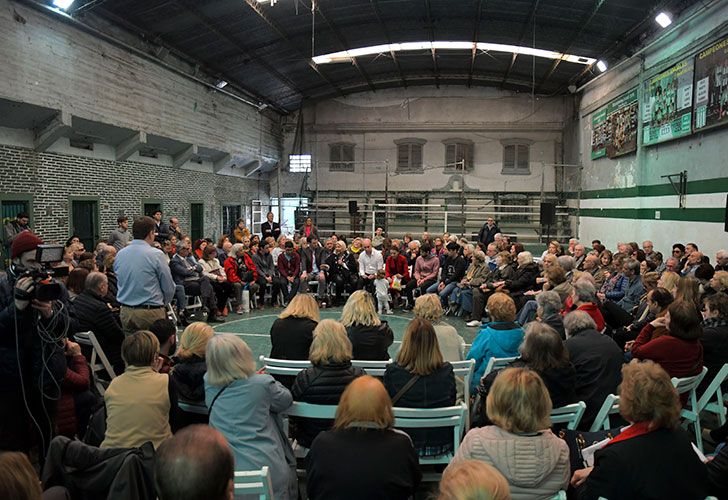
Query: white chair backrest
x=373, y=368
x=464, y=369
x=609, y=407
x=309, y=410
x=497, y=364
x=428, y=418
x=569, y=414
x=256, y=482
x=688, y=385
x=714, y=389
x=97, y=354
x=192, y=407
x=274, y=366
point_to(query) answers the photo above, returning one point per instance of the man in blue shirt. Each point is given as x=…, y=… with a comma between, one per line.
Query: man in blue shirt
x=145, y=284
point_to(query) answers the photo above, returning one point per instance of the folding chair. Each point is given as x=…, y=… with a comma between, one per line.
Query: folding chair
x=256, y=482
x=569, y=415
x=192, y=407
x=691, y=413
x=464, y=370
x=309, y=410
x=99, y=362
x=290, y=367
x=373, y=368
x=609, y=407
x=708, y=402
x=497, y=364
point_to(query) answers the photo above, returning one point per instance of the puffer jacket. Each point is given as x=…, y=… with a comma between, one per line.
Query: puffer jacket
x=188, y=375
x=495, y=340
x=535, y=466
x=77, y=379
x=371, y=342
x=321, y=385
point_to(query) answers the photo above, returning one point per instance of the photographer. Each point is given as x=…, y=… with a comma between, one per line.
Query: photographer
x=32, y=361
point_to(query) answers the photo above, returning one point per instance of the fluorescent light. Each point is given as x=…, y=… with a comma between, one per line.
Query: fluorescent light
x=602, y=66
x=63, y=4
x=348, y=55
x=221, y=84
x=663, y=19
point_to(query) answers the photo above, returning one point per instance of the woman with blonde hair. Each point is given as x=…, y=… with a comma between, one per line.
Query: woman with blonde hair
x=292, y=333
x=140, y=403
x=421, y=378
x=190, y=367
x=325, y=381
x=519, y=406
x=653, y=457
x=452, y=345
x=370, y=337
x=473, y=480
x=243, y=406
x=363, y=453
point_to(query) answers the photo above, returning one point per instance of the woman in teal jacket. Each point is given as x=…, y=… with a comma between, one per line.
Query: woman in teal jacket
x=498, y=339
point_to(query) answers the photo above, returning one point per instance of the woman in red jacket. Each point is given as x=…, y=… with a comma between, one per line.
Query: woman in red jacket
x=679, y=351
x=396, y=268
x=77, y=401
x=241, y=274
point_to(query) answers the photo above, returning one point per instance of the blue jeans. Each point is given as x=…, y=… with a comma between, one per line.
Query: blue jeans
x=444, y=293
x=528, y=312
x=179, y=295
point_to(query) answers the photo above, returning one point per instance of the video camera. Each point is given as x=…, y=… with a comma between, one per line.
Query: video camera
x=45, y=289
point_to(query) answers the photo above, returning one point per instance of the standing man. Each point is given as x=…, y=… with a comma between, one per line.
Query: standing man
x=144, y=281
x=174, y=228
x=488, y=231
x=370, y=261
x=161, y=230
x=120, y=237
x=270, y=228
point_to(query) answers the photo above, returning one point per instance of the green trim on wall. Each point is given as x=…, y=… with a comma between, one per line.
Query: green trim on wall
x=676, y=214
x=719, y=185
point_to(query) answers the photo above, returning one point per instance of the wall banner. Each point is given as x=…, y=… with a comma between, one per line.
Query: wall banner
x=668, y=104
x=711, y=86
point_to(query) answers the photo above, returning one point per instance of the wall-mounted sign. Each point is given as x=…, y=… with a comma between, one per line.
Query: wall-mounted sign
x=711, y=86
x=668, y=104
x=614, y=127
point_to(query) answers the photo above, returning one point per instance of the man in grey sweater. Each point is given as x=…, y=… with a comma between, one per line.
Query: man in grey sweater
x=120, y=237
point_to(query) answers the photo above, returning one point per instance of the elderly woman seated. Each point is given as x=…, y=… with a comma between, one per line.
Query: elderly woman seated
x=653, y=457
x=363, y=453
x=520, y=445
x=452, y=345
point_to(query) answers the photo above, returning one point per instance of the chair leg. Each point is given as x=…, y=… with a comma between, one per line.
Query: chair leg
x=698, y=433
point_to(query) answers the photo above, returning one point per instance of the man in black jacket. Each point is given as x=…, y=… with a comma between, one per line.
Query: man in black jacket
x=188, y=273
x=488, y=231
x=598, y=362
x=270, y=228
x=453, y=270
x=92, y=312
x=311, y=262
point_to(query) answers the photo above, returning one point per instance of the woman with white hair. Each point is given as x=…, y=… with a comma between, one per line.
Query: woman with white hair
x=242, y=406
x=241, y=274
x=523, y=280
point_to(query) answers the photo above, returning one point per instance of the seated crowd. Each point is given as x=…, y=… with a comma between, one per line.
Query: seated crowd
x=579, y=324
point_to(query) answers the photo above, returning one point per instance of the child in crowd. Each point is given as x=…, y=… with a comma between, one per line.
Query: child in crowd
x=381, y=288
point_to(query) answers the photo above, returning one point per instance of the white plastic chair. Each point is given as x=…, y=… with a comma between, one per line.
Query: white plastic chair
x=256, y=482
x=691, y=413
x=569, y=415
x=464, y=370
x=497, y=364
x=291, y=367
x=373, y=368
x=192, y=407
x=609, y=407
x=713, y=398
x=99, y=362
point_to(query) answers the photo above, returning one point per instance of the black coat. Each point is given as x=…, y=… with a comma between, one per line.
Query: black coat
x=715, y=351
x=188, y=375
x=598, y=362
x=718, y=474
x=487, y=234
x=270, y=229
x=524, y=279
x=435, y=390
x=453, y=270
x=354, y=463
x=291, y=338
x=555, y=321
x=658, y=465
x=92, y=312
x=320, y=385
x=371, y=342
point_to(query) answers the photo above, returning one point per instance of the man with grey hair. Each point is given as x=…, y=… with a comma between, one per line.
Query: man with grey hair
x=579, y=256
x=568, y=263
x=673, y=265
x=91, y=312
x=634, y=289
x=188, y=273
x=597, y=360
x=549, y=311
x=721, y=259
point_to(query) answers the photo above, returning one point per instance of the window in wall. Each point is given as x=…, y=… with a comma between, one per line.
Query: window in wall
x=408, y=213
x=299, y=163
x=516, y=157
x=409, y=155
x=230, y=216
x=458, y=152
x=341, y=156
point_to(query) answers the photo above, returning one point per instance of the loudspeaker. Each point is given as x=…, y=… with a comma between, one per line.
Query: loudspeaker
x=548, y=214
x=353, y=207
x=726, y=214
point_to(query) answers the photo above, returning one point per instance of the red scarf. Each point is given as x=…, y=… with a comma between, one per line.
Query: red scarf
x=634, y=430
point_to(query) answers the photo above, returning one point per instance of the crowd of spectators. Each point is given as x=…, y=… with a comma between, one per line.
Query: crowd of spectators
x=581, y=322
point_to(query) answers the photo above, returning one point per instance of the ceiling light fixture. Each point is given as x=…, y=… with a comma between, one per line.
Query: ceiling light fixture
x=602, y=66
x=63, y=4
x=221, y=84
x=663, y=19
x=348, y=55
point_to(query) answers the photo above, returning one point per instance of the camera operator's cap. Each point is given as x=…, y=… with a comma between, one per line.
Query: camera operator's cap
x=452, y=246
x=23, y=242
